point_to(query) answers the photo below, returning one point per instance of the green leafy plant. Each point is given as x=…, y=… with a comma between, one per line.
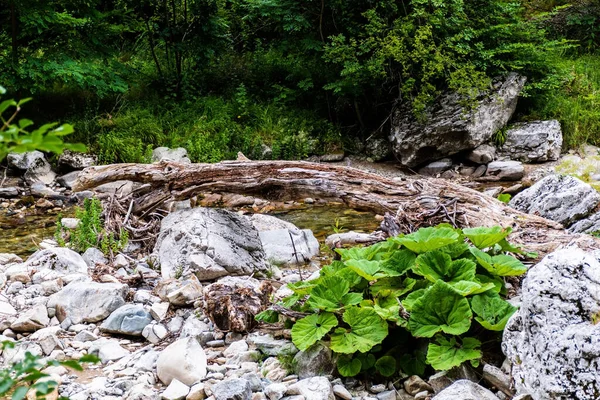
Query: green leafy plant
x=504, y=197
x=90, y=231
x=14, y=136
x=25, y=375
x=421, y=290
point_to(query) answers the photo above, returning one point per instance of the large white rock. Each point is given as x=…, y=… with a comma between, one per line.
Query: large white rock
x=184, y=360
x=316, y=388
x=178, y=154
x=449, y=128
x=553, y=340
x=87, y=301
x=34, y=163
x=283, y=242
x=31, y=320
x=563, y=199
x=536, y=141
x=211, y=243
x=57, y=261
x=465, y=390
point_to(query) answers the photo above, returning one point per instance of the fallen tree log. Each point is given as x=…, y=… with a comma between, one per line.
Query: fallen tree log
x=415, y=201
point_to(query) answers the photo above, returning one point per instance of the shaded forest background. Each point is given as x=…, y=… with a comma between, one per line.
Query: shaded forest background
x=301, y=77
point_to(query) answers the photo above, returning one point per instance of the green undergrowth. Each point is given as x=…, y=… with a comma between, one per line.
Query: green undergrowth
x=573, y=98
x=212, y=129
x=90, y=231
x=581, y=168
x=435, y=298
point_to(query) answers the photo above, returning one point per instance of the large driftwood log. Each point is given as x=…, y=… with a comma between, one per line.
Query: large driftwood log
x=416, y=201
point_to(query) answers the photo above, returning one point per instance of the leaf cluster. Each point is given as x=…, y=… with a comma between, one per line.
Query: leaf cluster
x=426, y=286
x=16, y=137
x=26, y=375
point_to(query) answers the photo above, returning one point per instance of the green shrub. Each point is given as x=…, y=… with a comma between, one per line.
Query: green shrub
x=90, y=231
x=20, y=377
x=381, y=305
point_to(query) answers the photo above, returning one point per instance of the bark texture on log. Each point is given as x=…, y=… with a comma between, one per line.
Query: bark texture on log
x=415, y=201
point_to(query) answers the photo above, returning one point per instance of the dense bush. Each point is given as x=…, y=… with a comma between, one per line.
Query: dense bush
x=409, y=301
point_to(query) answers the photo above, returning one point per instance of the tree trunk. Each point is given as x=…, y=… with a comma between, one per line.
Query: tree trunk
x=415, y=201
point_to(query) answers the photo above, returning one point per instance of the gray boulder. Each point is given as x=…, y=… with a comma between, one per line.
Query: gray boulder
x=589, y=224
x=233, y=389
x=130, y=319
x=483, y=154
x=59, y=259
x=31, y=320
x=504, y=171
x=164, y=153
x=68, y=180
x=450, y=128
x=465, y=390
x=316, y=388
x=437, y=167
x=563, y=199
x=378, y=148
x=553, y=340
x=34, y=163
x=537, y=141
x=87, y=301
x=74, y=160
x=283, y=242
x=211, y=243
x=316, y=360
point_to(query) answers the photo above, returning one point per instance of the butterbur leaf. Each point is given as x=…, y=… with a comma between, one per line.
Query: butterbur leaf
x=303, y=288
x=410, y=300
x=492, y=312
x=466, y=288
x=436, y=265
x=366, y=359
x=89, y=358
x=348, y=366
x=331, y=294
x=386, y=366
x=441, y=308
x=366, y=253
x=413, y=363
x=308, y=330
x=370, y=270
x=489, y=283
x=395, y=287
x=500, y=265
x=268, y=316
x=400, y=261
x=427, y=239
x=445, y=354
x=367, y=329
x=455, y=250
x=483, y=237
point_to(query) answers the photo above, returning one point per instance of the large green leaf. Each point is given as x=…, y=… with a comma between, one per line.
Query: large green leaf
x=483, y=237
x=400, y=261
x=367, y=329
x=371, y=270
x=500, y=265
x=331, y=294
x=435, y=265
x=386, y=366
x=395, y=287
x=445, y=354
x=348, y=366
x=492, y=312
x=410, y=300
x=372, y=252
x=303, y=288
x=441, y=308
x=427, y=239
x=308, y=330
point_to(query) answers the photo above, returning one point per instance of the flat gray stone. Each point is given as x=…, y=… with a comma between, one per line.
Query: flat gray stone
x=130, y=319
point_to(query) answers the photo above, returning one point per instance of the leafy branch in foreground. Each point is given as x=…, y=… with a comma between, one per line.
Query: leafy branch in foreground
x=14, y=136
x=407, y=302
x=26, y=375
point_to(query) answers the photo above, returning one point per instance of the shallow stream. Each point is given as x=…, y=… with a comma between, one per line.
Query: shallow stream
x=21, y=234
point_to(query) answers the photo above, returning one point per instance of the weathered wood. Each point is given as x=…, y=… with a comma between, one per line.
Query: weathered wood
x=415, y=201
